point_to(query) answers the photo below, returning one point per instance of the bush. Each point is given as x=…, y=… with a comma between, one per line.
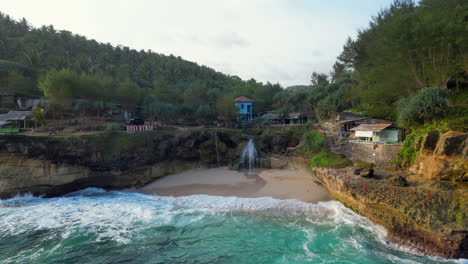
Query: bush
x=112, y=127
x=314, y=142
x=331, y=159
x=429, y=104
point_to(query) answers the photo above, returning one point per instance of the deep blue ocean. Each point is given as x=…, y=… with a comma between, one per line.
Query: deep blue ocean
x=97, y=226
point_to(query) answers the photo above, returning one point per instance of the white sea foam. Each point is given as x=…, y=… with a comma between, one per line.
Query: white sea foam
x=118, y=216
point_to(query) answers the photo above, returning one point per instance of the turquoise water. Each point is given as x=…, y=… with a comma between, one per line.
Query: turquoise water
x=96, y=226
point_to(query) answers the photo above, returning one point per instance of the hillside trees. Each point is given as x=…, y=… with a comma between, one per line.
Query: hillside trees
x=66, y=65
x=406, y=48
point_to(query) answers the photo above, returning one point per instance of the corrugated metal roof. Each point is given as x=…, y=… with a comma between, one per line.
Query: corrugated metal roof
x=270, y=116
x=371, y=127
x=6, y=93
x=2, y=123
x=308, y=113
x=294, y=115
x=15, y=115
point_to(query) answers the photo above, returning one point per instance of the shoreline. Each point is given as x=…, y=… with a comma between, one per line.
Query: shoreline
x=283, y=184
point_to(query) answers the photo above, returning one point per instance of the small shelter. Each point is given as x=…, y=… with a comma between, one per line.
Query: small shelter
x=377, y=133
x=348, y=120
x=306, y=116
x=244, y=109
x=20, y=119
x=273, y=116
x=293, y=118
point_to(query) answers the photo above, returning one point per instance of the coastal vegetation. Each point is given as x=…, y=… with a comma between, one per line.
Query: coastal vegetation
x=329, y=159
x=408, y=53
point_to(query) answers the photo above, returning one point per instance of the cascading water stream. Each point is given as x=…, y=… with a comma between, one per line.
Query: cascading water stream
x=249, y=154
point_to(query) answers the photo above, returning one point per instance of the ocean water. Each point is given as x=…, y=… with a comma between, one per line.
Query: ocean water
x=97, y=226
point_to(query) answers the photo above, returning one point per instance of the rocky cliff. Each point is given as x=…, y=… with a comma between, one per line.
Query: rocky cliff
x=56, y=165
x=442, y=156
x=425, y=207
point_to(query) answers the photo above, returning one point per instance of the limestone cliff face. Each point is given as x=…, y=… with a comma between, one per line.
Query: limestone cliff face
x=56, y=165
x=443, y=157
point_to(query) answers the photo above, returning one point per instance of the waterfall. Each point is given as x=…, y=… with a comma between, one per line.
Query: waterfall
x=249, y=153
x=217, y=150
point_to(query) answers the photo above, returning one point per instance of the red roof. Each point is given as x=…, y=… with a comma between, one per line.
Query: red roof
x=243, y=99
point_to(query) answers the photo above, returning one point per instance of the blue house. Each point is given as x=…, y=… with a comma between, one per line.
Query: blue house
x=244, y=109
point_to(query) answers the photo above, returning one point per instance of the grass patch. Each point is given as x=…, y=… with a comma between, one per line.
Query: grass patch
x=331, y=159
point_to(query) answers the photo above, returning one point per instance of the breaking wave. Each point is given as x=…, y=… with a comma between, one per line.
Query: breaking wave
x=97, y=226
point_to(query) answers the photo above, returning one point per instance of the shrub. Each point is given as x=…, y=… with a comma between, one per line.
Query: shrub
x=331, y=159
x=314, y=142
x=429, y=104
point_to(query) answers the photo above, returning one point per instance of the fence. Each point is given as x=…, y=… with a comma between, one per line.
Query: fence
x=140, y=128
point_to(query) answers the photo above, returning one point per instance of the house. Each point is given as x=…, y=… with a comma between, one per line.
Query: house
x=7, y=99
x=292, y=118
x=272, y=116
x=347, y=120
x=244, y=109
x=308, y=115
x=377, y=133
x=18, y=119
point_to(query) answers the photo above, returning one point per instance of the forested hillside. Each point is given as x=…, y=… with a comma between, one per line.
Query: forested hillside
x=409, y=64
x=62, y=65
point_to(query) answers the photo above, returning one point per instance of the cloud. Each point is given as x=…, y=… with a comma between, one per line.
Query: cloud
x=230, y=40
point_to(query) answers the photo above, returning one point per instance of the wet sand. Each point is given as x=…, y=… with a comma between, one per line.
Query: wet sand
x=281, y=184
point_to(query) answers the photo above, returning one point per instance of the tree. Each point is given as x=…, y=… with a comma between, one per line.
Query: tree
x=427, y=105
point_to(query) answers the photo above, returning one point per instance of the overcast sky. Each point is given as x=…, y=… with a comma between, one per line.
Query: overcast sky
x=270, y=40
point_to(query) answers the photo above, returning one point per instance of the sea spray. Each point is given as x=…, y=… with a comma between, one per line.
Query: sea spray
x=97, y=226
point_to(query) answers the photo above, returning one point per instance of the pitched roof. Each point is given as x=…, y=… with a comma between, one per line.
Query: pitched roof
x=371, y=127
x=15, y=115
x=6, y=93
x=307, y=113
x=294, y=115
x=2, y=123
x=243, y=99
x=345, y=117
x=270, y=116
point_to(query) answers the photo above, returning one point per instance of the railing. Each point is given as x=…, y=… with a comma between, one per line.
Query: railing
x=9, y=130
x=374, y=142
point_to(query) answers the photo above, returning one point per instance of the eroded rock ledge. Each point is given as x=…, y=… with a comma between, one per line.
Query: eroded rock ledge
x=53, y=166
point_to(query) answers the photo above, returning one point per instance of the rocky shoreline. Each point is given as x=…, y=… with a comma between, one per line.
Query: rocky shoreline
x=424, y=216
x=428, y=214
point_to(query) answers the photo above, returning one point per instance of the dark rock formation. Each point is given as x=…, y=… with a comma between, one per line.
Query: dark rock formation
x=57, y=165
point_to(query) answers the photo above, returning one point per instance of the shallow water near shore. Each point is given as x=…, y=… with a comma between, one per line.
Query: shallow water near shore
x=97, y=226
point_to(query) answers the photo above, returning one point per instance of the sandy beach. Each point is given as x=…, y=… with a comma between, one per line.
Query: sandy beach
x=281, y=184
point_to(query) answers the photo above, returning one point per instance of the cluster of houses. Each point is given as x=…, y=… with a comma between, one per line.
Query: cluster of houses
x=244, y=108
x=356, y=128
